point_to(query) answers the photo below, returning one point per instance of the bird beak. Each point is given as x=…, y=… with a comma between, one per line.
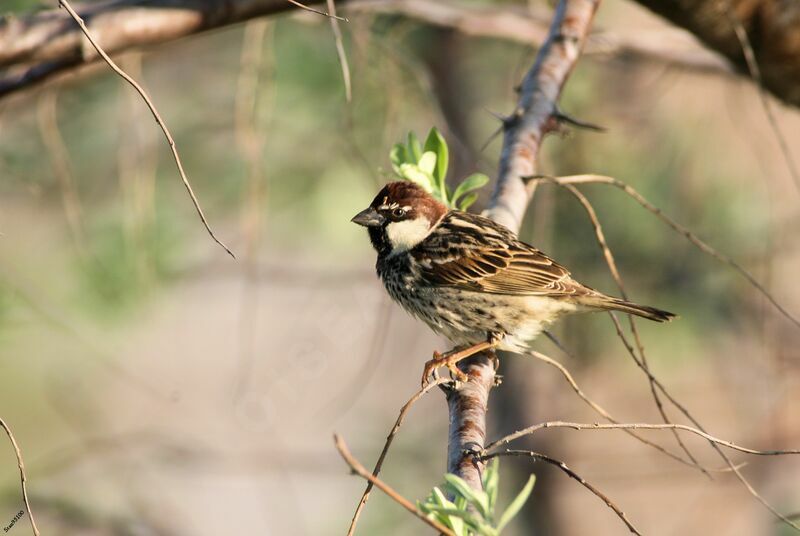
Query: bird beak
x=368, y=217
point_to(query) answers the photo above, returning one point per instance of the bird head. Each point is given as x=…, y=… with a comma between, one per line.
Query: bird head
x=400, y=217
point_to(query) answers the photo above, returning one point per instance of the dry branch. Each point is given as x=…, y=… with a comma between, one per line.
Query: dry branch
x=139, y=89
x=38, y=46
x=23, y=479
x=635, y=426
x=572, y=474
x=379, y=464
x=677, y=227
x=361, y=471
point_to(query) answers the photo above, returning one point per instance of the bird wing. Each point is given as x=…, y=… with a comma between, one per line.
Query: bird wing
x=471, y=252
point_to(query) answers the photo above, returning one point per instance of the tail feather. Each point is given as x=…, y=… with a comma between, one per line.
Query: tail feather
x=616, y=304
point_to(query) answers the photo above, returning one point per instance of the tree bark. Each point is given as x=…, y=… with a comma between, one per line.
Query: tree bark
x=772, y=26
x=523, y=133
x=36, y=47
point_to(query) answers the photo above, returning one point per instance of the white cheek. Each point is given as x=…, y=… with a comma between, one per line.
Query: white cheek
x=404, y=235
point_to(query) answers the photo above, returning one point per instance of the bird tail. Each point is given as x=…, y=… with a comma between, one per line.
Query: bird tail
x=608, y=303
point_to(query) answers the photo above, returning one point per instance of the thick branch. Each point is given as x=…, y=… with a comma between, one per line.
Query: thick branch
x=773, y=27
x=523, y=134
x=36, y=47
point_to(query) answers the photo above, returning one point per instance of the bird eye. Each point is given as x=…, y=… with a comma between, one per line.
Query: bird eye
x=399, y=212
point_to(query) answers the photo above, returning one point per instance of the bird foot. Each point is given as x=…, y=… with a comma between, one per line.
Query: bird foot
x=439, y=360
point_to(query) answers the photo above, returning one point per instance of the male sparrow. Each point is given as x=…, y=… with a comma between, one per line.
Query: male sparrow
x=469, y=278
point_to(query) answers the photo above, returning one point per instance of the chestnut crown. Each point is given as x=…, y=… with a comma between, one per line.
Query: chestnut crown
x=400, y=216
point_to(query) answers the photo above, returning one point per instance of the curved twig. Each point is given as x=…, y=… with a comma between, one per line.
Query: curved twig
x=379, y=464
x=675, y=226
x=572, y=474
x=139, y=89
x=612, y=267
x=22, y=477
x=361, y=471
x=635, y=426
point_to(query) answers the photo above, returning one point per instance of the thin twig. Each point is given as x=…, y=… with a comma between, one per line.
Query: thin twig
x=731, y=466
x=635, y=426
x=379, y=464
x=599, y=409
x=332, y=14
x=746, y=483
x=612, y=267
x=337, y=36
x=572, y=474
x=361, y=471
x=680, y=229
x=22, y=477
x=66, y=5
x=755, y=73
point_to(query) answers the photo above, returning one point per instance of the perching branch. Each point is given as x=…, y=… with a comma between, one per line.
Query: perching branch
x=524, y=132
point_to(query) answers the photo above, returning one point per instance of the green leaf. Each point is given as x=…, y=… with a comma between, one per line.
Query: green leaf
x=473, y=182
x=436, y=143
x=516, y=505
x=474, y=522
x=398, y=156
x=414, y=174
x=414, y=148
x=491, y=479
x=476, y=497
x=428, y=163
x=467, y=201
x=454, y=522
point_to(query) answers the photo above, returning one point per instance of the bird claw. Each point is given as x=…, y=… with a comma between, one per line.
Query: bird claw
x=441, y=360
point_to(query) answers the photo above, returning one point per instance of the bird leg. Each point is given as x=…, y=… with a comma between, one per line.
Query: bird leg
x=450, y=359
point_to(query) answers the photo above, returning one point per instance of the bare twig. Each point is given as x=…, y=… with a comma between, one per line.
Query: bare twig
x=612, y=267
x=22, y=477
x=734, y=468
x=337, y=35
x=680, y=229
x=755, y=73
x=379, y=464
x=599, y=409
x=635, y=426
x=332, y=13
x=361, y=471
x=66, y=5
x=572, y=474
x=731, y=466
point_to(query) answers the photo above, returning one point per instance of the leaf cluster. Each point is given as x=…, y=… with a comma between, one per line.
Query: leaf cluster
x=471, y=512
x=426, y=165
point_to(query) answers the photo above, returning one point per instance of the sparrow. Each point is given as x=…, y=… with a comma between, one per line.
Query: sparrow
x=471, y=279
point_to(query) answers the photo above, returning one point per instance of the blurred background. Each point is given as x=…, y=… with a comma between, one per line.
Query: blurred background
x=156, y=386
